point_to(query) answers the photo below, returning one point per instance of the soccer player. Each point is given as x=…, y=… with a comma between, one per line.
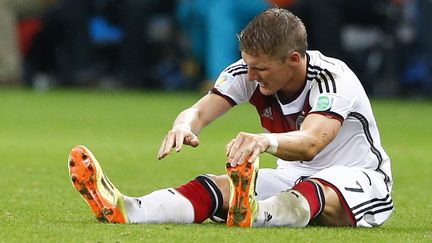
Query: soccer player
x=331, y=168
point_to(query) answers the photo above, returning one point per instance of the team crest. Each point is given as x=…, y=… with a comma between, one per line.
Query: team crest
x=267, y=113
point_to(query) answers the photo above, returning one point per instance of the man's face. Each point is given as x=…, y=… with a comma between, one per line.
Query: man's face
x=271, y=74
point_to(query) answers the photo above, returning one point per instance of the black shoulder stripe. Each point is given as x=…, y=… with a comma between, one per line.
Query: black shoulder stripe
x=235, y=67
x=331, y=79
x=319, y=85
x=312, y=74
x=324, y=79
x=240, y=72
x=315, y=67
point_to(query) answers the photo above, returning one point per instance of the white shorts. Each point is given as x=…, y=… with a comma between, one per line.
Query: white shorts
x=363, y=192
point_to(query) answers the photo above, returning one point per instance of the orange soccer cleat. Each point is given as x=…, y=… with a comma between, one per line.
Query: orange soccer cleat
x=101, y=195
x=242, y=204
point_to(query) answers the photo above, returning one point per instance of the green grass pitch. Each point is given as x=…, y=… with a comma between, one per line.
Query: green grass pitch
x=125, y=129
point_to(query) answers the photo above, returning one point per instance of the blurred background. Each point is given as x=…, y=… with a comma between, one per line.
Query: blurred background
x=63, y=61
x=184, y=44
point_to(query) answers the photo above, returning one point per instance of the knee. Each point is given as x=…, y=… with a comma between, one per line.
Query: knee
x=334, y=213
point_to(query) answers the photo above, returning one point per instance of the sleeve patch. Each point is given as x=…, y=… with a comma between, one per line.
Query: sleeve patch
x=324, y=103
x=221, y=81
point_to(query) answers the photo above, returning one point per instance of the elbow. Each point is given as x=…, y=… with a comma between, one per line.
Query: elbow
x=309, y=151
x=309, y=154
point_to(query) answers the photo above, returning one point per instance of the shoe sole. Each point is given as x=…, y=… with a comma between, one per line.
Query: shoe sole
x=242, y=181
x=85, y=172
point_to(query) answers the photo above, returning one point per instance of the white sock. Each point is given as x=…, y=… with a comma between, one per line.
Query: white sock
x=288, y=208
x=162, y=206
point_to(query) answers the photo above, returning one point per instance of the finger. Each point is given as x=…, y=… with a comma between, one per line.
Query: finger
x=194, y=141
x=232, y=154
x=169, y=144
x=244, y=157
x=228, y=147
x=236, y=160
x=235, y=147
x=161, y=149
x=256, y=152
x=188, y=139
x=240, y=155
x=179, y=138
x=248, y=148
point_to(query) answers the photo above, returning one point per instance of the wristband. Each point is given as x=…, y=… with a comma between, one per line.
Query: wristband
x=273, y=143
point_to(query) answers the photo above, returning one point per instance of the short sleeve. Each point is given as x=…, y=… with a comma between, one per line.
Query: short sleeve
x=233, y=84
x=337, y=104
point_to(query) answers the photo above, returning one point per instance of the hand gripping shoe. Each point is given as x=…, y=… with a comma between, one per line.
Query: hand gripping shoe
x=243, y=206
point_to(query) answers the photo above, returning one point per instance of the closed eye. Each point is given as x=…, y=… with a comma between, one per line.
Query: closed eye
x=258, y=69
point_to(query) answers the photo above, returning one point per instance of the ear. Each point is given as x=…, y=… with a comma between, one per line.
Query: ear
x=294, y=58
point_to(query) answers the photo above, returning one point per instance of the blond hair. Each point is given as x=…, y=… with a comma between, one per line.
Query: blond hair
x=275, y=32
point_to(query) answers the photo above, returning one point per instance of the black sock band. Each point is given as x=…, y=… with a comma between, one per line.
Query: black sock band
x=215, y=193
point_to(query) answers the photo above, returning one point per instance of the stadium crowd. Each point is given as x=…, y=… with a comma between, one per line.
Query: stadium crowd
x=184, y=44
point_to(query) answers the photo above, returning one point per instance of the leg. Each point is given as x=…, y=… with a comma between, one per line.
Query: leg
x=334, y=213
x=289, y=208
x=192, y=202
x=293, y=208
x=317, y=202
x=296, y=207
x=359, y=197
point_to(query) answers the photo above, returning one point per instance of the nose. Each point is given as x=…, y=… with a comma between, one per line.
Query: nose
x=251, y=75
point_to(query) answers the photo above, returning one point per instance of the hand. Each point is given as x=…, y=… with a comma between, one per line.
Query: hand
x=175, y=138
x=244, y=145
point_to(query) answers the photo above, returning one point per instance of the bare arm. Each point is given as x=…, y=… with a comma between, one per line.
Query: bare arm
x=316, y=132
x=189, y=123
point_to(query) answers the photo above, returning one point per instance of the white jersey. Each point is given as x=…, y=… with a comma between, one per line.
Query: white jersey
x=331, y=89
